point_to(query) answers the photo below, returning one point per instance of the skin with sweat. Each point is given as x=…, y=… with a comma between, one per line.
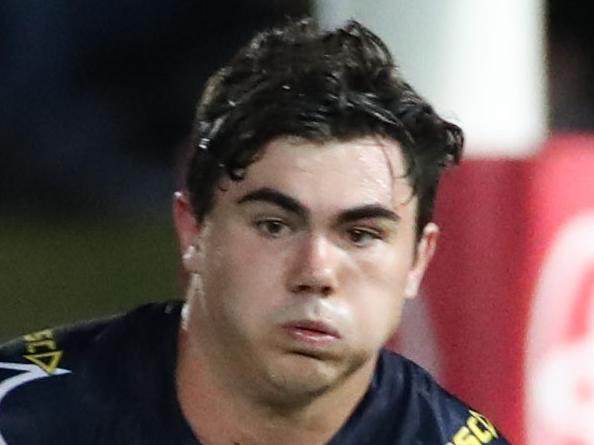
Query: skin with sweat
x=298, y=277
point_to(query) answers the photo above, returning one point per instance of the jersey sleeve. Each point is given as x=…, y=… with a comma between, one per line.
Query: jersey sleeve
x=432, y=414
x=475, y=429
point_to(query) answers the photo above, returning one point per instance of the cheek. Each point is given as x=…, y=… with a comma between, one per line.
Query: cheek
x=378, y=296
x=240, y=276
x=377, y=317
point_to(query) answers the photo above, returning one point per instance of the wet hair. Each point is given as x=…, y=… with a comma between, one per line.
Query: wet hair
x=319, y=86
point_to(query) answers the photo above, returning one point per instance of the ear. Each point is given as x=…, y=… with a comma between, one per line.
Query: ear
x=424, y=252
x=187, y=230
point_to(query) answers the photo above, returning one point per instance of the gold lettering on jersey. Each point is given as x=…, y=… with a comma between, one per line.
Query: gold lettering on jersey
x=486, y=428
x=478, y=430
x=48, y=362
x=42, y=350
x=48, y=345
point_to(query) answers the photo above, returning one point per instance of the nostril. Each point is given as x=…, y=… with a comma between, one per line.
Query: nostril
x=301, y=288
x=309, y=289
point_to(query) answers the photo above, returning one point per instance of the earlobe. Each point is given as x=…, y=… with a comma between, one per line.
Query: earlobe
x=190, y=259
x=187, y=230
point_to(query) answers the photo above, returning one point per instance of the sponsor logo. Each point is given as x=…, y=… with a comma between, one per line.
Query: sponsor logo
x=42, y=350
x=478, y=430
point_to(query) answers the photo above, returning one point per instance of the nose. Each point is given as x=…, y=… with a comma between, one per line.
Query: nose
x=315, y=268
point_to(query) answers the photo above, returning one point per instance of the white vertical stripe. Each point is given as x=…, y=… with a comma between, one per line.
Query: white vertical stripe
x=481, y=64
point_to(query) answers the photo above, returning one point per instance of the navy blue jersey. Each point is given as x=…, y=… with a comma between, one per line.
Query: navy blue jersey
x=113, y=382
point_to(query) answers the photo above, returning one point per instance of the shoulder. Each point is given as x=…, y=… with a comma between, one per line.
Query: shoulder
x=435, y=412
x=52, y=350
x=49, y=348
x=50, y=377
x=36, y=380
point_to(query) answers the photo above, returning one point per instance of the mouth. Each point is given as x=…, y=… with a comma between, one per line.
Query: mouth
x=311, y=332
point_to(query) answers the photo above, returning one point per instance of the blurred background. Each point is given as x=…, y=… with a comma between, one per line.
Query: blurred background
x=96, y=102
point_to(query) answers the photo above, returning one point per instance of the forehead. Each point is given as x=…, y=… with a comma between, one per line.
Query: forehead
x=333, y=174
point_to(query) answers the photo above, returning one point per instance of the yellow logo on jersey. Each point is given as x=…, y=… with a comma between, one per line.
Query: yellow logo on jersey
x=42, y=350
x=477, y=431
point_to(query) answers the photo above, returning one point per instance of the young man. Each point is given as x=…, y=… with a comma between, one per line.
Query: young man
x=305, y=224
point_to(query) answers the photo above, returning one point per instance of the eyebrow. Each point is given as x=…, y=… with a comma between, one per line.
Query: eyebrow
x=366, y=212
x=277, y=198
x=290, y=204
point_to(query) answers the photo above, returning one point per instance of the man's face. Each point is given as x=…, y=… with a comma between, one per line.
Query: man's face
x=301, y=269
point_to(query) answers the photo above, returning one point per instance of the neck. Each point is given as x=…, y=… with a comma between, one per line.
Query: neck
x=220, y=413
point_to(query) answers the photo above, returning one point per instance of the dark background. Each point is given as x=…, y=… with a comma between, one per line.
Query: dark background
x=96, y=101
x=98, y=96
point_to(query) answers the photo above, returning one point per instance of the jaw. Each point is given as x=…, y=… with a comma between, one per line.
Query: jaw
x=283, y=381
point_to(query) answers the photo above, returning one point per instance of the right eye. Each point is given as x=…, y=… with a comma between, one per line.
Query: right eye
x=272, y=228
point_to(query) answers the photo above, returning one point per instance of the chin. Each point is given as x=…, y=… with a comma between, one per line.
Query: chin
x=301, y=378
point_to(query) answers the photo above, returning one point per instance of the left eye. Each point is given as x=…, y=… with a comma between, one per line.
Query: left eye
x=272, y=227
x=362, y=237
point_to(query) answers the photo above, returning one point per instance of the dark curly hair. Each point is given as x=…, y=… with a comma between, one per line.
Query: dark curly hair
x=317, y=85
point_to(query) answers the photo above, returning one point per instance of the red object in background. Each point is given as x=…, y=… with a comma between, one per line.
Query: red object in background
x=559, y=381
x=473, y=289
x=496, y=346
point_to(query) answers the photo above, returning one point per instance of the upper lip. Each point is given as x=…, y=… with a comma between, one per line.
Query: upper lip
x=313, y=325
